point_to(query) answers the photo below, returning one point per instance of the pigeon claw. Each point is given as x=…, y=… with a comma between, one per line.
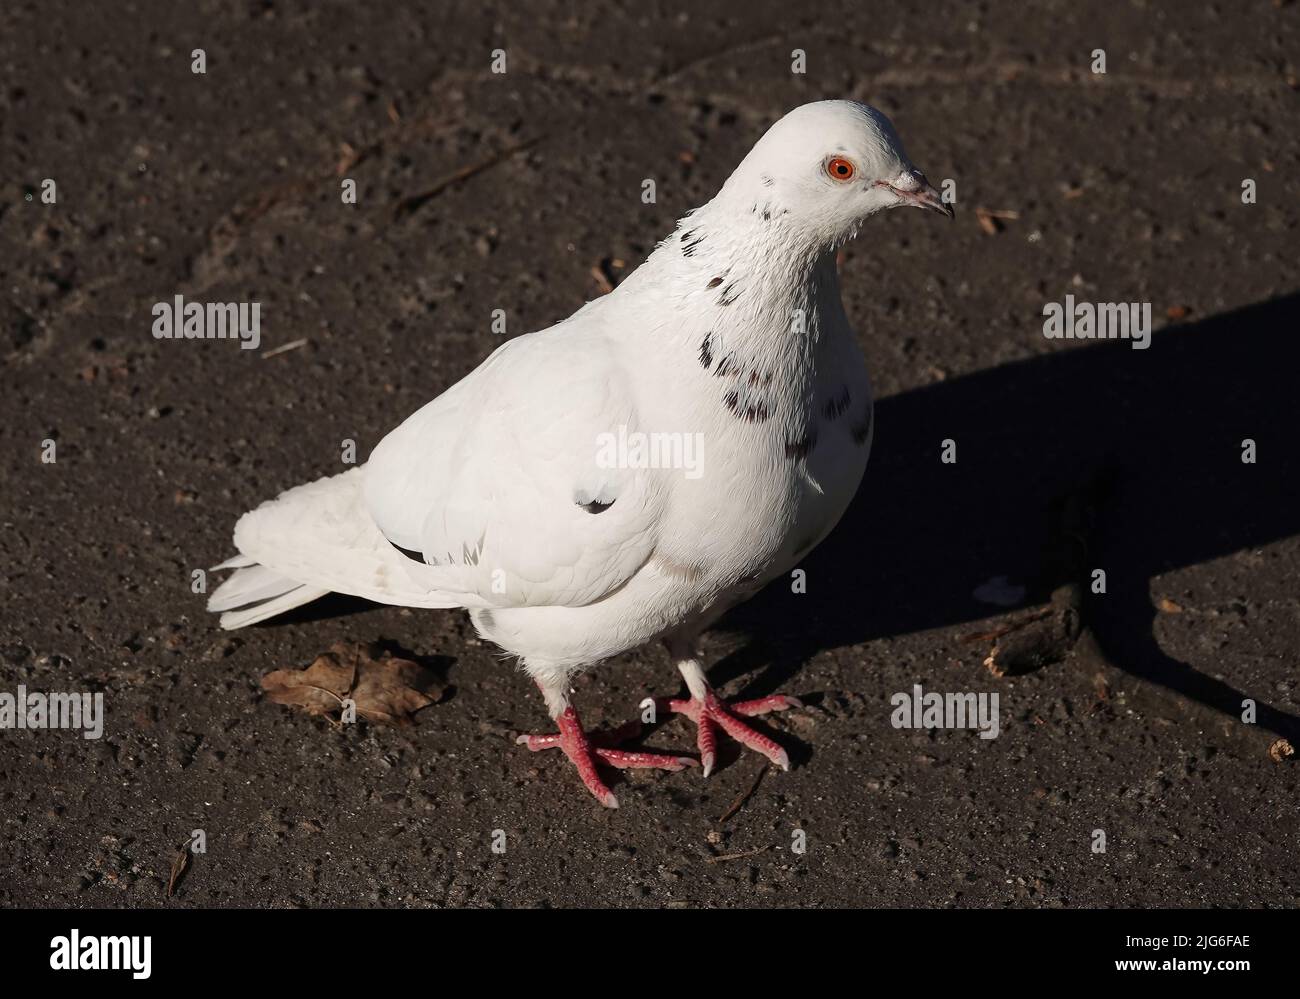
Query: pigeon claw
x=710, y=714
x=584, y=750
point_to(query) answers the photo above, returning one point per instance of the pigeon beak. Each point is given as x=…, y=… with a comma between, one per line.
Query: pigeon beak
x=927, y=197
x=919, y=192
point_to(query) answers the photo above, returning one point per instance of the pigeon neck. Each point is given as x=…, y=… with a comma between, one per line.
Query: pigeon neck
x=751, y=269
x=751, y=308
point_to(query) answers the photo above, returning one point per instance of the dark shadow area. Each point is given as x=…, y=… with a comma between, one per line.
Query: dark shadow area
x=328, y=606
x=1167, y=423
x=437, y=664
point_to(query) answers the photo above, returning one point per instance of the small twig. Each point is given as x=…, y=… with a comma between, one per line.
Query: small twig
x=708, y=57
x=739, y=802
x=1006, y=629
x=736, y=856
x=284, y=348
x=412, y=203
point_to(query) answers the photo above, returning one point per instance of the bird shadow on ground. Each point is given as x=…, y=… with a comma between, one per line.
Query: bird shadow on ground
x=1167, y=422
x=329, y=606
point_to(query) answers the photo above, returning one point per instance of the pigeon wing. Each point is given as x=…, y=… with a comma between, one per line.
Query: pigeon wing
x=510, y=485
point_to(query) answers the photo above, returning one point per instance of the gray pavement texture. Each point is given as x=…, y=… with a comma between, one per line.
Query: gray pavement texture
x=224, y=186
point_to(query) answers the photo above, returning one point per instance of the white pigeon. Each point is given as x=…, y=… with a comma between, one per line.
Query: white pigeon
x=636, y=470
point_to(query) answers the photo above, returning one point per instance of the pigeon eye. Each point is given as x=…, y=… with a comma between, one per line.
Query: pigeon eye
x=838, y=168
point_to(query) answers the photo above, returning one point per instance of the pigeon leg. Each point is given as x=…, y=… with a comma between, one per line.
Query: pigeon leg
x=584, y=750
x=710, y=713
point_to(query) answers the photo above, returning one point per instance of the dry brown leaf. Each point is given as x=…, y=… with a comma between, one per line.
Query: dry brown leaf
x=1281, y=750
x=383, y=687
x=1170, y=606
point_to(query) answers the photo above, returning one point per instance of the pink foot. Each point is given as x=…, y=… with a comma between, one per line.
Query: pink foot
x=711, y=712
x=584, y=750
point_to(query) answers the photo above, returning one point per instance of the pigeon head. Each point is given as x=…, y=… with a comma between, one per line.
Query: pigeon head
x=827, y=167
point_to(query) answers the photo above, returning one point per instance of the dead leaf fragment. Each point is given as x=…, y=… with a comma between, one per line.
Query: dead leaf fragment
x=383, y=687
x=602, y=279
x=1169, y=606
x=179, y=866
x=990, y=219
x=1281, y=750
x=348, y=158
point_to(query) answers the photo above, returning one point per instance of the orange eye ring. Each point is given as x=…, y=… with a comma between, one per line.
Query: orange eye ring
x=838, y=168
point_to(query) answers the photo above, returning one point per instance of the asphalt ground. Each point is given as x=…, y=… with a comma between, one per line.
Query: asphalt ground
x=522, y=192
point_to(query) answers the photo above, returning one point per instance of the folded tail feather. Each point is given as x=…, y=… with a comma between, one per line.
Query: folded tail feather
x=286, y=601
x=311, y=540
x=249, y=585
